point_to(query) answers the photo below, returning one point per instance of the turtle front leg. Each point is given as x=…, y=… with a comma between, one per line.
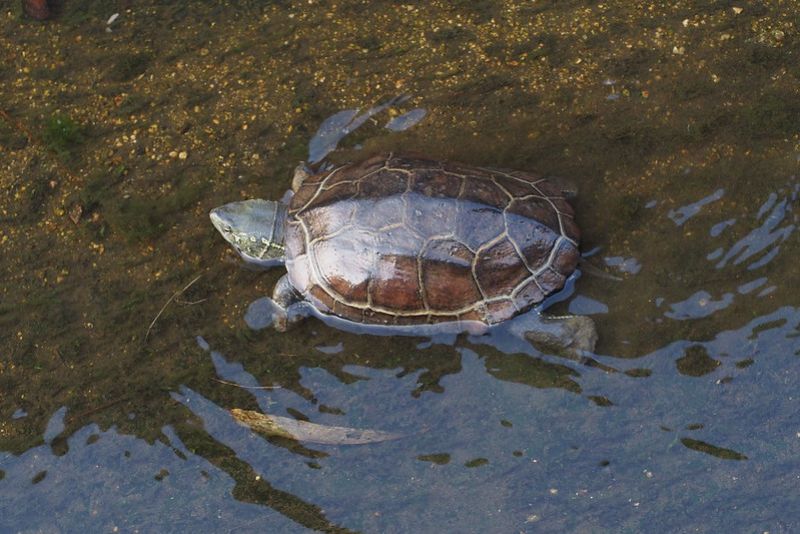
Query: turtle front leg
x=293, y=308
x=574, y=335
x=285, y=309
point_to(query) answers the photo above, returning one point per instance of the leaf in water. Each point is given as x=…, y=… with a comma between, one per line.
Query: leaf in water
x=285, y=427
x=713, y=450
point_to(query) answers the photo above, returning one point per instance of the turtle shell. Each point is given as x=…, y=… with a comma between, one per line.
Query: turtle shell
x=398, y=240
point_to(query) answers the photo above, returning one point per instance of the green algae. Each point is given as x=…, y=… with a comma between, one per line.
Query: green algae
x=63, y=135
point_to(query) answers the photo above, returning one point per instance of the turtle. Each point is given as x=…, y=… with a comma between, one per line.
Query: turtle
x=413, y=245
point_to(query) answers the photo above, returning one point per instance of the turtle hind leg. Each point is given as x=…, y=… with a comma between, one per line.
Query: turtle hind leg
x=574, y=335
x=285, y=309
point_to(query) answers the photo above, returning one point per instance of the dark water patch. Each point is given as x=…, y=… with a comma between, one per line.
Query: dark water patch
x=478, y=10
x=693, y=88
x=476, y=462
x=638, y=373
x=768, y=57
x=713, y=450
x=632, y=140
x=538, y=373
x=11, y=139
x=772, y=114
x=696, y=362
x=127, y=66
x=77, y=13
x=99, y=188
x=632, y=63
x=199, y=96
x=778, y=323
x=34, y=191
x=600, y=400
x=627, y=211
x=438, y=458
x=132, y=104
x=146, y=218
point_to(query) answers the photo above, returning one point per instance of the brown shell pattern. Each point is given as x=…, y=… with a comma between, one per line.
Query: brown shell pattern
x=402, y=241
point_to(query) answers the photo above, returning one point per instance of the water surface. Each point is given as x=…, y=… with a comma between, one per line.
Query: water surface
x=679, y=125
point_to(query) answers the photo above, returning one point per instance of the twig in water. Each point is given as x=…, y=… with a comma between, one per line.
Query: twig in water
x=187, y=303
x=80, y=416
x=164, y=307
x=243, y=387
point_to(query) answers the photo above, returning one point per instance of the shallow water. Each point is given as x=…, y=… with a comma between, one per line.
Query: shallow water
x=680, y=126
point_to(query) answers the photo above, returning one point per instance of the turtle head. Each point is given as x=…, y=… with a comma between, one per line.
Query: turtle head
x=254, y=228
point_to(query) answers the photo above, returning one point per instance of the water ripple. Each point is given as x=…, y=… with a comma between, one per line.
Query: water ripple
x=683, y=214
x=700, y=304
x=774, y=230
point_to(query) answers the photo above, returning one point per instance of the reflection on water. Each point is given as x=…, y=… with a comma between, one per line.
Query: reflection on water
x=488, y=437
x=778, y=222
x=115, y=144
x=508, y=439
x=339, y=125
x=681, y=215
x=626, y=265
x=774, y=224
x=104, y=481
x=406, y=120
x=581, y=305
x=700, y=304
